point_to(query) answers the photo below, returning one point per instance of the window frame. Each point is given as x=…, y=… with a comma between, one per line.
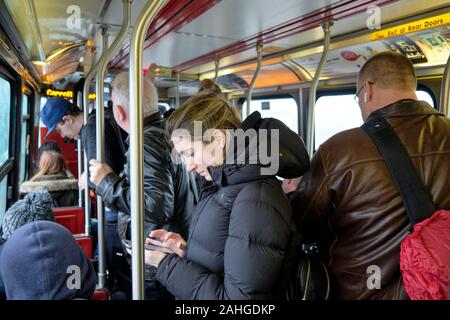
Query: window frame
x=10, y=169
x=28, y=133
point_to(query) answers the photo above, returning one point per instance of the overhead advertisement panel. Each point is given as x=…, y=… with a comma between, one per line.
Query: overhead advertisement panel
x=420, y=25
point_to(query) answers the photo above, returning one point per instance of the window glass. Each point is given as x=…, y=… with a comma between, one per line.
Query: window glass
x=23, y=140
x=425, y=96
x=336, y=113
x=5, y=112
x=3, y=188
x=163, y=107
x=283, y=109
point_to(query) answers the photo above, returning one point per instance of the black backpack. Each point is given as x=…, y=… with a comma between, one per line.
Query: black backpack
x=310, y=280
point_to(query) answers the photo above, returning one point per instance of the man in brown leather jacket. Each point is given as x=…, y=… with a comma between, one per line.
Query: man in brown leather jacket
x=348, y=202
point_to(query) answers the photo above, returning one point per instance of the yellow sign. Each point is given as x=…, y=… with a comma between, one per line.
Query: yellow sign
x=428, y=23
x=58, y=93
x=66, y=94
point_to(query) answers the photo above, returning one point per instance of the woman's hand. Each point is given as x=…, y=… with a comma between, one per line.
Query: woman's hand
x=152, y=257
x=170, y=240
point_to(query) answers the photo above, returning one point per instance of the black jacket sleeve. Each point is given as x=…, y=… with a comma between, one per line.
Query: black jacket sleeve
x=89, y=143
x=158, y=188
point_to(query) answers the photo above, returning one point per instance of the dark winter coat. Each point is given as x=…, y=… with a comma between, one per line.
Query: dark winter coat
x=243, y=240
x=62, y=188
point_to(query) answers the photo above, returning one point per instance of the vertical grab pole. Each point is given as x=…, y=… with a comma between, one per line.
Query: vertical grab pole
x=87, y=81
x=444, y=106
x=259, y=49
x=312, y=90
x=100, y=133
x=136, y=145
x=216, y=69
x=177, y=92
x=80, y=155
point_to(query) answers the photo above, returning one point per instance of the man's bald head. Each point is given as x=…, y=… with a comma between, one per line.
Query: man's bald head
x=389, y=70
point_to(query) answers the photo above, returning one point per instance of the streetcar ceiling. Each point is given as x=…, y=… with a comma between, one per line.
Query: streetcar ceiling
x=190, y=35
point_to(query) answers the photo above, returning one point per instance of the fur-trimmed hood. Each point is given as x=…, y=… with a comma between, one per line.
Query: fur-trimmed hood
x=51, y=183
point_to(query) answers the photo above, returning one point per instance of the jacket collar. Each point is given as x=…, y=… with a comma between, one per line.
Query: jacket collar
x=151, y=120
x=232, y=174
x=403, y=108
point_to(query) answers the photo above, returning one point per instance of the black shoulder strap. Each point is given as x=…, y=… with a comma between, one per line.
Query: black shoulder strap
x=415, y=196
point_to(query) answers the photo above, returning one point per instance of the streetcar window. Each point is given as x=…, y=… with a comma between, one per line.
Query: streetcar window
x=336, y=113
x=23, y=139
x=333, y=114
x=283, y=109
x=3, y=190
x=425, y=96
x=5, y=110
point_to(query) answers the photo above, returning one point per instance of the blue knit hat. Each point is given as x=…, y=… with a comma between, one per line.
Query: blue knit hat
x=35, y=206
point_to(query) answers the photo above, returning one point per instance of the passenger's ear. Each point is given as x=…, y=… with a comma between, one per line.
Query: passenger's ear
x=120, y=113
x=67, y=118
x=369, y=91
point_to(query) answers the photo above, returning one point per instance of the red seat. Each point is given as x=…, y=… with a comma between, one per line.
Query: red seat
x=70, y=217
x=100, y=294
x=86, y=244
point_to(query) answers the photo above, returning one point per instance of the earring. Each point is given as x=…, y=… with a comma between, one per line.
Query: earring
x=365, y=97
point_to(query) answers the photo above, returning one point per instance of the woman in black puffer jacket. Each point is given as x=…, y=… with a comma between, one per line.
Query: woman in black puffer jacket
x=242, y=242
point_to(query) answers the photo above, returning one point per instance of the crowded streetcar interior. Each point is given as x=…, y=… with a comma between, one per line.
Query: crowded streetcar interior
x=224, y=150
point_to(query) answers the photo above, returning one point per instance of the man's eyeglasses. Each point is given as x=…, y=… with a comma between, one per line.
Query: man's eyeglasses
x=356, y=97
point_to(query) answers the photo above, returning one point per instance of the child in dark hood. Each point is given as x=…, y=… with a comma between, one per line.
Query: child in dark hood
x=42, y=261
x=35, y=206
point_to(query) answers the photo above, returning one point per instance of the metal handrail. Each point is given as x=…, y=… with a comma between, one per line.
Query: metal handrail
x=259, y=50
x=313, y=89
x=216, y=69
x=177, y=92
x=79, y=155
x=100, y=132
x=136, y=144
x=444, y=106
x=87, y=81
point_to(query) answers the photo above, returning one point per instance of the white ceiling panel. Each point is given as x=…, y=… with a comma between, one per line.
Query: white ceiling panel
x=341, y=27
x=237, y=19
x=113, y=15
x=177, y=48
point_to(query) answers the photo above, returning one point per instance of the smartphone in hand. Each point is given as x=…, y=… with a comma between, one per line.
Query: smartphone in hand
x=147, y=246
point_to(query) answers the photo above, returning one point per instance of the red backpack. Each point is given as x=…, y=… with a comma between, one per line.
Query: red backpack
x=425, y=251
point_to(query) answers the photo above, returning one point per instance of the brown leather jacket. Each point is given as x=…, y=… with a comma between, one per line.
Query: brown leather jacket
x=348, y=202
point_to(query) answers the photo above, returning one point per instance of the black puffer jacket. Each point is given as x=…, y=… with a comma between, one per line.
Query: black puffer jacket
x=168, y=196
x=243, y=241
